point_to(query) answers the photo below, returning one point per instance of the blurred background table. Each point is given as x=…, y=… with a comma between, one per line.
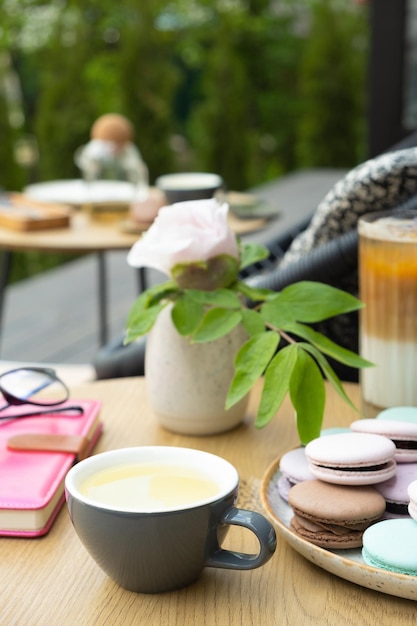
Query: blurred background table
x=290, y=201
x=84, y=235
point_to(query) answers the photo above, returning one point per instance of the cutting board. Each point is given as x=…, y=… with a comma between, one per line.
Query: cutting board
x=17, y=212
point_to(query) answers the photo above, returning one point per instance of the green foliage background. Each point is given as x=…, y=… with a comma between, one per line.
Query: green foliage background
x=250, y=89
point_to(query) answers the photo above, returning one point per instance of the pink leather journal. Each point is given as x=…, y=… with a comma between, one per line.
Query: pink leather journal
x=34, y=462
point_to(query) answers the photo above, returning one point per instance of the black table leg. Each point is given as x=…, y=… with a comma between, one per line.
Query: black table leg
x=142, y=282
x=5, y=267
x=102, y=294
x=102, y=298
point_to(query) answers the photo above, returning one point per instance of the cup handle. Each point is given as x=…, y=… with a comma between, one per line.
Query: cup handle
x=264, y=532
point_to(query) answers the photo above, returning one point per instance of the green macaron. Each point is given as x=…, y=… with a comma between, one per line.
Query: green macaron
x=399, y=413
x=392, y=545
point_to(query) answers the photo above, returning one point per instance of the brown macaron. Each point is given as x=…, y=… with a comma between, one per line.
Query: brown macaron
x=334, y=516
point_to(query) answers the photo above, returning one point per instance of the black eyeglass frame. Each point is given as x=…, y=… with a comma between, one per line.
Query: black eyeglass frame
x=13, y=400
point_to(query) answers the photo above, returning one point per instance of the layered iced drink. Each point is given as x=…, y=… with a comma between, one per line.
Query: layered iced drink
x=388, y=323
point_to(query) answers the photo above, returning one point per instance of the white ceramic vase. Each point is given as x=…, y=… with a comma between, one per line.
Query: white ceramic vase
x=188, y=383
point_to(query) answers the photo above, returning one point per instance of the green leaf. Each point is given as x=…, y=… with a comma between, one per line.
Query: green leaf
x=253, y=294
x=143, y=323
x=150, y=298
x=329, y=347
x=146, y=309
x=277, y=313
x=252, y=322
x=308, y=395
x=215, y=324
x=220, y=297
x=250, y=363
x=187, y=314
x=276, y=385
x=313, y=302
x=330, y=374
x=251, y=253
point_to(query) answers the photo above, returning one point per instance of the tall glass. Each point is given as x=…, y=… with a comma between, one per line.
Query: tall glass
x=388, y=322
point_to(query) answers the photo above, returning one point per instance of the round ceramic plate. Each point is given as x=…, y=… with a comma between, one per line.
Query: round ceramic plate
x=347, y=564
x=78, y=192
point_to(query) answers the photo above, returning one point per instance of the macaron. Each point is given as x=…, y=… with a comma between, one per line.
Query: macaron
x=333, y=516
x=333, y=430
x=392, y=545
x=294, y=469
x=395, y=490
x=402, y=433
x=412, y=496
x=352, y=458
x=399, y=413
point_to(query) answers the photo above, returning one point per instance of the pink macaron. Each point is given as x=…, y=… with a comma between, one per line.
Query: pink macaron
x=352, y=458
x=402, y=433
x=412, y=494
x=294, y=468
x=395, y=490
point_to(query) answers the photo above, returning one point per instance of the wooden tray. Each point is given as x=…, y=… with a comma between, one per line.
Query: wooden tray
x=17, y=212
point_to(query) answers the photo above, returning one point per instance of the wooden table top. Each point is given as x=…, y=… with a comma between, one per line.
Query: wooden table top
x=86, y=234
x=83, y=235
x=53, y=580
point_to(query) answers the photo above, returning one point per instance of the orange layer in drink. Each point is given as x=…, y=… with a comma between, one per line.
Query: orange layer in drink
x=388, y=287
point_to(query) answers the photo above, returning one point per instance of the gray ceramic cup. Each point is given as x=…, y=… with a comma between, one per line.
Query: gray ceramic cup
x=160, y=550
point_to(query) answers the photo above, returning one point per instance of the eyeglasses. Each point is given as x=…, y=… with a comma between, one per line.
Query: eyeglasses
x=36, y=386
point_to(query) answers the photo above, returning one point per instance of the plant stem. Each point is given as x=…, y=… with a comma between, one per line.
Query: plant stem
x=283, y=334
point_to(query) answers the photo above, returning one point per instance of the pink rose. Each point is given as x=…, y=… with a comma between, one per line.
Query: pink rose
x=185, y=233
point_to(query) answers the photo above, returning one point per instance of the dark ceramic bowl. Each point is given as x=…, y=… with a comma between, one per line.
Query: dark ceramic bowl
x=186, y=186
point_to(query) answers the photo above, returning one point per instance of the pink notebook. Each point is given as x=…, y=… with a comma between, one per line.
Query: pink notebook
x=32, y=480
